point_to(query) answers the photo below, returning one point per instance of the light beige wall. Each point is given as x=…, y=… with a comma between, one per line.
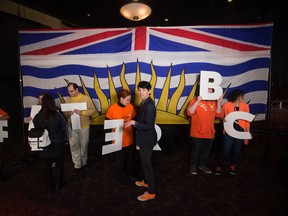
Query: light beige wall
x=30, y=14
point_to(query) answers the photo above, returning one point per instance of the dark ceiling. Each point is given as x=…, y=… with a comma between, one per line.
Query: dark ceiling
x=105, y=13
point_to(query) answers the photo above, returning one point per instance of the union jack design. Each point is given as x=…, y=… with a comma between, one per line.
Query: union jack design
x=172, y=56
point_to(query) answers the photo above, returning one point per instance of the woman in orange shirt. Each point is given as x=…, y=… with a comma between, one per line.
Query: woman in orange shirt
x=202, y=113
x=235, y=103
x=123, y=109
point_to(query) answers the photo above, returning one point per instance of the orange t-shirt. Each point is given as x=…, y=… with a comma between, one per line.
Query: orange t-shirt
x=127, y=113
x=229, y=107
x=3, y=113
x=202, y=120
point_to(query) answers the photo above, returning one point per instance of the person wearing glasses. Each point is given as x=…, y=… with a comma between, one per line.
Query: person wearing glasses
x=79, y=138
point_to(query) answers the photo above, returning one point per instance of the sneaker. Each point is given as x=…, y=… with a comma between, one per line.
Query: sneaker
x=193, y=170
x=218, y=170
x=232, y=169
x=205, y=169
x=141, y=184
x=146, y=196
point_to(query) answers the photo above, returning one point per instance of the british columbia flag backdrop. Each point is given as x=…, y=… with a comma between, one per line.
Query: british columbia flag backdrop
x=102, y=61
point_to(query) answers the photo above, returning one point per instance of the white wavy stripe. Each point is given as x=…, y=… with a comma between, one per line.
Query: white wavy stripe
x=59, y=82
x=158, y=58
x=257, y=74
x=260, y=117
x=74, y=35
x=256, y=97
x=28, y=101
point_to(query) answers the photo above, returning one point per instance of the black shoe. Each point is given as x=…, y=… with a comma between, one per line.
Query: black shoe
x=75, y=171
x=85, y=167
x=59, y=187
x=131, y=179
x=3, y=179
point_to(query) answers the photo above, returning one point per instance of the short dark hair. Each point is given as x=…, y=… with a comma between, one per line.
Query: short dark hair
x=75, y=86
x=144, y=84
x=235, y=94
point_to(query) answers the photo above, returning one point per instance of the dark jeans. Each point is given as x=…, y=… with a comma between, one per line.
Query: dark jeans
x=200, y=150
x=50, y=181
x=228, y=144
x=124, y=162
x=1, y=159
x=146, y=161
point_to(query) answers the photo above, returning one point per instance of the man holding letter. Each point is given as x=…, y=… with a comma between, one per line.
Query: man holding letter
x=78, y=125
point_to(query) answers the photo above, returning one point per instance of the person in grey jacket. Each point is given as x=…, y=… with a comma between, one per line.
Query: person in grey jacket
x=49, y=118
x=146, y=139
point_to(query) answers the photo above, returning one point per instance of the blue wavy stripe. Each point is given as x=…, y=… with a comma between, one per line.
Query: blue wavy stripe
x=258, y=108
x=34, y=92
x=255, y=85
x=67, y=70
x=26, y=112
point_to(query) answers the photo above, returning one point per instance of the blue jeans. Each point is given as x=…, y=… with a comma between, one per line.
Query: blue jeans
x=200, y=150
x=228, y=144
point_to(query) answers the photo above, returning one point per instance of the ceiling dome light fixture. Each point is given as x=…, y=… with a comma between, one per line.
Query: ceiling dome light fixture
x=135, y=10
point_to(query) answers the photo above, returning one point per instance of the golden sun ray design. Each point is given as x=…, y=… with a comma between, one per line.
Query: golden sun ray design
x=166, y=109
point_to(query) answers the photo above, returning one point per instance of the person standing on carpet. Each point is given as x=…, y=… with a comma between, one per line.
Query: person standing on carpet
x=146, y=139
x=235, y=103
x=202, y=117
x=123, y=109
x=48, y=117
x=79, y=138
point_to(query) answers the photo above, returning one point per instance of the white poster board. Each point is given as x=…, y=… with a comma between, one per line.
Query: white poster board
x=75, y=118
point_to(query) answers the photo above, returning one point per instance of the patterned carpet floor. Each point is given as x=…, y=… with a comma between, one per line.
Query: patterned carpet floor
x=253, y=191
